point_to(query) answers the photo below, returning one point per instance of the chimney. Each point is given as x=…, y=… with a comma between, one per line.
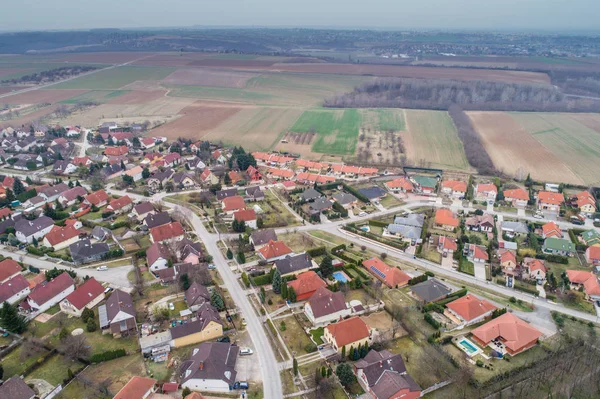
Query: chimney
x=201, y=366
x=380, y=363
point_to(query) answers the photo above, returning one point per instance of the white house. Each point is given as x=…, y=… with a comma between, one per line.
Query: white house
x=211, y=367
x=27, y=230
x=45, y=295
x=14, y=289
x=87, y=295
x=157, y=257
x=468, y=310
x=325, y=306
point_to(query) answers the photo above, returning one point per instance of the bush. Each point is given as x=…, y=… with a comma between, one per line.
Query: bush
x=479, y=363
x=337, y=248
x=318, y=251
x=378, y=223
x=262, y=280
x=429, y=319
x=108, y=355
x=309, y=348
x=418, y=279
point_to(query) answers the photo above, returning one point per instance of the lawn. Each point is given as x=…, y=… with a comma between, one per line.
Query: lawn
x=13, y=365
x=317, y=334
x=466, y=267
x=298, y=242
x=113, y=79
x=274, y=213
x=78, y=390
x=118, y=371
x=55, y=369
x=500, y=366
x=389, y=201
x=294, y=336
x=337, y=130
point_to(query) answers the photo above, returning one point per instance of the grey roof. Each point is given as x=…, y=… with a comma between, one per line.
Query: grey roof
x=262, y=237
x=111, y=169
x=83, y=250
x=197, y=294
x=376, y=363
x=310, y=194
x=255, y=192
x=517, y=227
x=60, y=165
x=344, y=198
x=100, y=233
x=157, y=219
x=143, y=207
x=206, y=314
x=162, y=176
x=413, y=219
x=430, y=290
x=391, y=383
x=179, y=177
x=324, y=302
x=293, y=263
x=211, y=361
x=52, y=191
x=173, y=273
x=16, y=388
x=5, y=224
x=320, y=204
x=405, y=231
x=30, y=227
x=230, y=192
x=149, y=342
x=119, y=301
x=373, y=192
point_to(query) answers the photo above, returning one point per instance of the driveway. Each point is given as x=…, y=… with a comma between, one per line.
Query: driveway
x=479, y=270
x=447, y=262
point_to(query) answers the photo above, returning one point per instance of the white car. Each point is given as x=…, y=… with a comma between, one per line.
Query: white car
x=246, y=351
x=362, y=214
x=171, y=306
x=102, y=268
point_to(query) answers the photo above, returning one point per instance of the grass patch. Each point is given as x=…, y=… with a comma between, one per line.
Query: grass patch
x=119, y=371
x=294, y=336
x=389, y=201
x=466, y=267
x=55, y=369
x=13, y=365
x=317, y=335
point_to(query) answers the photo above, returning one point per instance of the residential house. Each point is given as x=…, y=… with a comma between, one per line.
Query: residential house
x=207, y=326
x=167, y=232
x=135, y=173
x=183, y=180
x=513, y=229
x=234, y=177
x=508, y=260
x=87, y=295
x=5, y=213
x=590, y=237
x=517, y=197
x=319, y=205
x=172, y=159
x=147, y=142
x=306, y=284
x=468, y=310
x=209, y=177
x=280, y=174
x=254, y=193
x=292, y=265
x=476, y=253
x=346, y=200
x=14, y=289
x=98, y=198
x=137, y=388
x=550, y=201
x=454, y=188
x=16, y=388
x=425, y=185
x=143, y=209
x=61, y=237
x=559, y=246
x=586, y=280
x=83, y=251
x=110, y=172
x=592, y=255
x=71, y=196
x=514, y=334
x=211, y=367
x=157, y=219
x=194, y=163
x=551, y=229
x=325, y=306
x=189, y=252
x=43, y=296
x=374, y=194
x=227, y=193
x=233, y=204
x=173, y=274
x=116, y=151
x=310, y=194
x=253, y=174
x=196, y=296
x=400, y=185
x=27, y=230
x=9, y=269
x=157, y=257
x=100, y=233
x=430, y=290
x=248, y=216
x=586, y=202
x=219, y=157
x=383, y=375
x=120, y=205
x=159, y=179
x=389, y=275
x=51, y=193
x=445, y=245
x=445, y=220
x=534, y=269
x=258, y=239
x=117, y=316
x=82, y=161
x=25, y=144
x=482, y=223
x=274, y=250
x=64, y=167
x=349, y=333
x=486, y=192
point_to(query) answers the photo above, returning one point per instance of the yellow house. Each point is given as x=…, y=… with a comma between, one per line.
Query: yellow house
x=347, y=333
x=207, y=327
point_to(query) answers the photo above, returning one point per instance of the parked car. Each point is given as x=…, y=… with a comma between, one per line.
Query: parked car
x=362, y=214
x=211, y=267
x=223, y=339
x=171, y=306
x=102, y=268
x=244, y=322
x=246, y=351
x=241, y=385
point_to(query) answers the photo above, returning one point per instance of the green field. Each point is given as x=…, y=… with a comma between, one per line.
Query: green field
x=220, y=94
x=433, y=140
x=97, y=96
x=116, y=78
x=337, y=130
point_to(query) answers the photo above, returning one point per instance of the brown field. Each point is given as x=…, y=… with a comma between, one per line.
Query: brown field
x=591, y=121
x=195, y=121
x=41, y=96
x=231, y=63
x=27, y=118
x=207, y=77
x=104, y=58
x=12, y=71
x=304, y=138
x=512, y=147
x=8, y=89
x=138, y=97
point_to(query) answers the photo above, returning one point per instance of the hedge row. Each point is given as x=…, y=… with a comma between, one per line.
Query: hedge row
x=418, y=279
x=108, y=355
x=340, y=247
x=554, y=258
x=453, y=296
x=318, y=251
x=262, y=280
x=526, y=289
x=433, y=322
x=347, y=258
x=356, y=193
x=378, y=223
x=359, y=272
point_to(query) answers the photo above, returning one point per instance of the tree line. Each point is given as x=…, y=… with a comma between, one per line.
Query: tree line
x=51, y=75
x=440, y=94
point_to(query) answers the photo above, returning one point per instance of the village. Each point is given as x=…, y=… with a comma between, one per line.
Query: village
x=137, y=267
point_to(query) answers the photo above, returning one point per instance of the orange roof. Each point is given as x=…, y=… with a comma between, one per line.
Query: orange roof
x=115, y=151
x=535, y=264
x=455, y=185
x=134, y=171
x=136, y=388
x=166, y=231
x=517, y=194
x=288, y=184
x=286, y=173
x=311, y=164
x=205, y=174
x=279, y=159
x=81, y=161
x=274, y=249
x=401, y=182
x=61, y=234
x=515, y=332
x=585, y=198
x=314, y=178
x=97, y=197
x=348, y=331
x=119, y=203
x=233, y=203
x=550, y=198
x=470, y=307
x=445, y=217
x=593, y=252
x=508, y=256
x=479, y=252
x=8, y=267
x=5, y=212
x=392, y=276
x=449, y=243
x=486, y=187
x=194, y=395
x=234, y=176
x=262, y=156
x=306, y=282
x=357, y=170
x=246, y=215
x=578, y=276
x=551, y=229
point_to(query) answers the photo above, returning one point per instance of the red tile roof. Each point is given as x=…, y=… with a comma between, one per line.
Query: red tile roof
x=77, y=161
x=348, y=331
x=535, y=264
x=585, y=198
x=42, y=293
x=12, y=286
x=274, y=249
x=5, y=212
x=120, y=203
x=392, y=276
x=147, y=141
x=285, y=173
x=61, y=234
x=8, y=267
x=449, y=243
x=517, y=194
x=166, y=231
x=516, y=333
x=85, y=293
x=306, y=283
x=172, y=157
x=233, y=203
x=310, y=164
x=445, y=217
x=205, y=174
x=314, y=178
x=550, y=198
x=470, y=307
x=551, y=229
x=246, y=215
x=486, y=188
x=116, y=151
x=401, y=182
x=455, y=185
x=508, y=256
x=136, y=388
x=97, y=197
x=480, y=252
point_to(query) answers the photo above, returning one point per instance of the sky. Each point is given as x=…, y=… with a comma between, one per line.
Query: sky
x=547, y=15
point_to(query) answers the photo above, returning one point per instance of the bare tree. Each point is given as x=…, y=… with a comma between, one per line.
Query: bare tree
x=75, y=347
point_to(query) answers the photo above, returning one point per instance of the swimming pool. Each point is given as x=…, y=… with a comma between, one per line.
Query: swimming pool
x=341, y=277
x=468, y=347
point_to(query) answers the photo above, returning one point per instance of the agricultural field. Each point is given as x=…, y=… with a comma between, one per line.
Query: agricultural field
x=432, y=140
x=113, y=79
x=97, y=96
x=556, y=147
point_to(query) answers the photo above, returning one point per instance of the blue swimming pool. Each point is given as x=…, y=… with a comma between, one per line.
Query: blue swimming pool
x=468, y=346
x=341, y=277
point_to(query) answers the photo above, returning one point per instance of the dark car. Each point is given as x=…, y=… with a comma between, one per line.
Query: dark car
x=240, y=385
x=223, y=339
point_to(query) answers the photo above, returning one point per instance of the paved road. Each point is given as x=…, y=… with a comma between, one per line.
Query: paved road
x=116, y=276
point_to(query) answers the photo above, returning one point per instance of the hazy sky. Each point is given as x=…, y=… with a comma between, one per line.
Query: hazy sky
x=556, y=15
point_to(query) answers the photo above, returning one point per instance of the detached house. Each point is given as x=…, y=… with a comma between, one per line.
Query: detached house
x=136, y=173
x=592, y=255
x=98, y=198
x=9, y=269
x=44, y=296
x=558, y=246
x=166, y=232
x=586, y=280
x=143, y=209
x=586, y=202
x=306, y=284
x=87, y=295
x=534, y=269
x=261, y=238
x=551, y=229
x=116, y=151
x=468, y=310
x=51, y=193
x=71, y=196
x=550, y=201
x=248, y=216
x=117, y=316
x=274, y=250
x=27, y=230
x=400, y=185
x=383, y=375
x=196, y=296
x=211, y=367
x=120, y=205
x=517, y=197
x=157, y=219
x=83, y=251
x=515, y=334
x=294, y=264
x=14, y=289
x=137, y=388
x=483, y=223
x=454, y=188
x=208, y=177
x=325, y=306
x=172, y=159
x=445, y=220
x=486, y=192
x=157, y=257
x=476, y=253
x=349, y=333
x=233, y=204
x=391, y=276
x=207, y=326
x=61, y=237
x=184, y=180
